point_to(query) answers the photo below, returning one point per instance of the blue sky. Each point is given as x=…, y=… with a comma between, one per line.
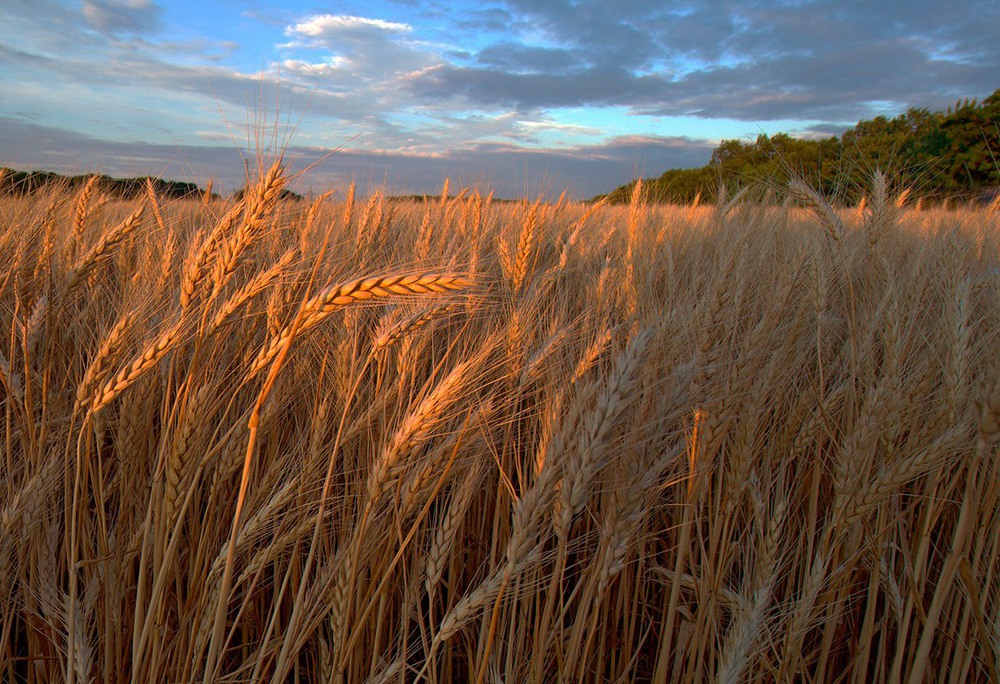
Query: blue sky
x=519, y=96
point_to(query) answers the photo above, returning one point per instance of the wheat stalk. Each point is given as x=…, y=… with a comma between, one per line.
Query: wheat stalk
x=989, y=411
x=196, y=265
x=736, y=652
x=526, y=525
x=514, y=521
x=417, y=426
x=154, y=202
x=446, y=531
x=97, y=369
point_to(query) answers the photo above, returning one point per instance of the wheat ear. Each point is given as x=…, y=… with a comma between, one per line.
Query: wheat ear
x=736, y=656
x=179, y=457
x=102, y=251
x=526, y=527
x=261, y=203
x=439, y=553
x=333, y=298
x=391, y=332
x=989, y=412
x=812, y=199
x=253, y=287
x=589, y=456
x=149, y=357
x=527, y=247
x=154, y=202
x=196, y=265
x=421, y=421
x=81, y=208
x=97, y=369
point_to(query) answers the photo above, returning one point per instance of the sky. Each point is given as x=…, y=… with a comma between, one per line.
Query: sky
x=518, y=97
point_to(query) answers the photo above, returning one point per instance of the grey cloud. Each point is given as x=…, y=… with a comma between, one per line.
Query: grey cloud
x=506, y=169
x=820, y=131
x=841, y=85
x=30, y=146
x=45, y=27
x=831, y=59
x=327, y=94
x=492, y=19
x=394, y=88
x=513, y=171
x=513, y=57
x=208, y=50
x=495, y=87
x=116, y=17
x=143, y=71
x=21, y=57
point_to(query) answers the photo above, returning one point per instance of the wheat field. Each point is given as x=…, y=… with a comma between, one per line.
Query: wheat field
x=370, y=440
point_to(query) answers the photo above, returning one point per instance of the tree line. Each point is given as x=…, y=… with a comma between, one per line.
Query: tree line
x=27, y=182
x=954, y=154
x=20, y=183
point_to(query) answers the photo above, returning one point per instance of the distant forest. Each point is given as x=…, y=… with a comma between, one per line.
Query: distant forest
x=953, y=154
x=26, y=182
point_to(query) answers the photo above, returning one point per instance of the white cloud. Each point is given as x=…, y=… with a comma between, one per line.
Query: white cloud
x=334, y=24
x=545, y=124
x=326, y=69
x=358, y=64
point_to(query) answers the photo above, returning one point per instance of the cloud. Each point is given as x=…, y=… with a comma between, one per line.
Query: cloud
x=512, y=170
x=517, y=58
x=721, y=59
x=325, y=26
x=488, y=20
x=117, y=17
x=31, y=146
x=357, y=94
x=506, y=168
x=820, y=131
x=354, y=51
x=604, y=85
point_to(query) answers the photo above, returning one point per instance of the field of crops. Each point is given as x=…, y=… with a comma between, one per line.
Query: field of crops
x=461, y=440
